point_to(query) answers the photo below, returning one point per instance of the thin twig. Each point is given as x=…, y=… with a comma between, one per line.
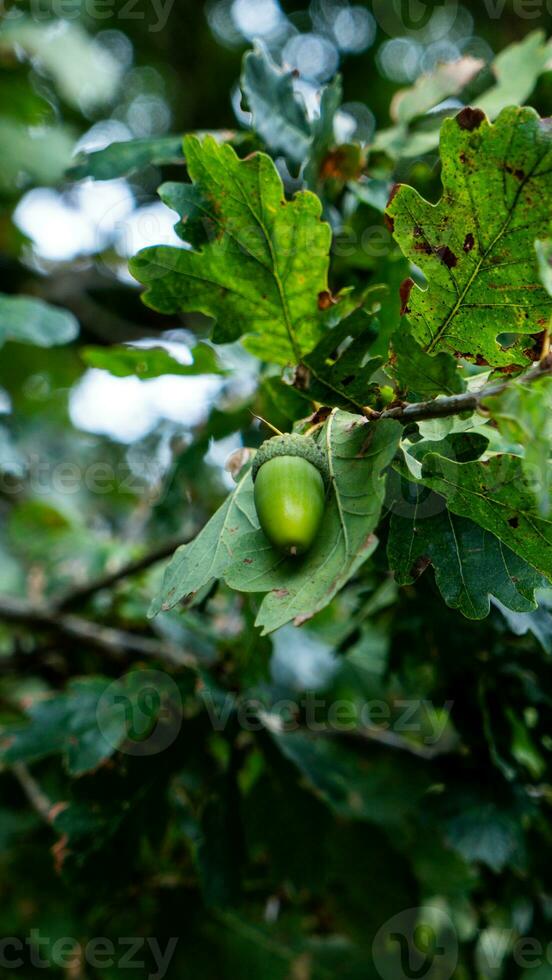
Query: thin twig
x=394, y=741
x=440, y=408
x=35, y=795
x=80, y=593
x=117, y=643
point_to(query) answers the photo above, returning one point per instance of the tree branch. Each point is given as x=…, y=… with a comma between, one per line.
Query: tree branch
x=35, y=795
x=80, y=593
x=117, y=643
x=440, y=408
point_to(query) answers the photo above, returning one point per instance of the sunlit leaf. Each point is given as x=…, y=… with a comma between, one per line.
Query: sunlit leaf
x=150, y=362
x=263, y=270
x=445, y=80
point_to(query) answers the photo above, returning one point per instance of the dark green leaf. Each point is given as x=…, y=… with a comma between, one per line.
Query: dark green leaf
x=362, y=789
x=487, y=834
x=494, y=494
x=423, y=377
x=470, y=564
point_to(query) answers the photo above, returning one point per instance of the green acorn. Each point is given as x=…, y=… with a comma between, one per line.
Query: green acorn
x=291, y=476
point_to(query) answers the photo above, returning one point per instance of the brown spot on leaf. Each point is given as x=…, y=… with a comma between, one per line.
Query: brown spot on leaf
x=394, y=191
x=248, y=561
x=320, y=416
x=325, y=300
x=389, y=221
x=469, y=242
x=348, y=380
x=56, y=809
x=470, y=119
x=301, y=380
x=420, y=566
x=405, y=290
x=520, y=174
x=447, y=257
x=424, y=247
x=280, y=593
x=514, y=522
x=341, y=164
x=60, y=852
x=299, y=620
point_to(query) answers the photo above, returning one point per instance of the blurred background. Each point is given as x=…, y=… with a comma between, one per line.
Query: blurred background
x=95, y=468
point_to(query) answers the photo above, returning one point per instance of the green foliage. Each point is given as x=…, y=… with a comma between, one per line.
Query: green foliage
x=125, y=158
x=280, y=117
x=422, y=376
x=357, y=455
x=150, y=362
x=524, y=416
x=470, y=564
x=69, y=55
x=476, y=247
x=265, y=263
x=494, y=493
x=514, y=72
x=31, y=321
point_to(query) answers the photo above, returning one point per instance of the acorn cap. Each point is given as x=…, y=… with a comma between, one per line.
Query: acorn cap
x=292, y=444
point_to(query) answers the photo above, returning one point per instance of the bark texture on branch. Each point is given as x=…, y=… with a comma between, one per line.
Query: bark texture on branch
x=439, y=408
